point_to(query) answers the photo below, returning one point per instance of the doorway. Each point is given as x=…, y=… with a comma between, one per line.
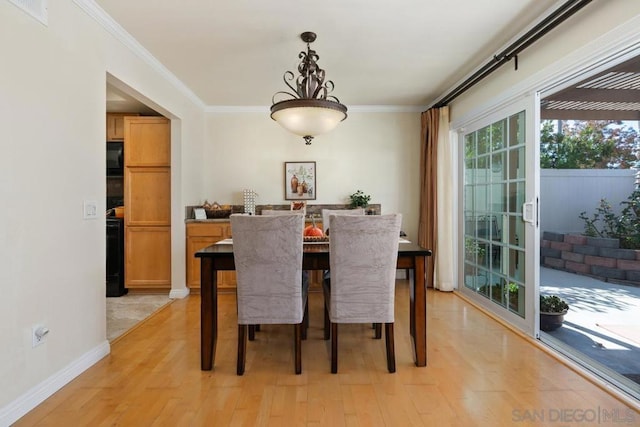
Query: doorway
x=601, y=331
x=124, y=310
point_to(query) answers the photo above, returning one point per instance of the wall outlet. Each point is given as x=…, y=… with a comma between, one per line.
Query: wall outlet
x=38, y=334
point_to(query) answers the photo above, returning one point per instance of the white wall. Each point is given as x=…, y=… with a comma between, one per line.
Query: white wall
x=565, y=193
x=52, y=261
x=377, y=153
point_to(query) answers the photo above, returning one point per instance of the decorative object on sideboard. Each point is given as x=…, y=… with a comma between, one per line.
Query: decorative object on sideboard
x=300, y=206
x=359, y=199
x=249, y=198
x=215, y=210
x=300, y=180
x=311, y=110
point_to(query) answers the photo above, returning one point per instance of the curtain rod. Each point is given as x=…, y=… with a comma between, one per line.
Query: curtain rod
x=557, y=17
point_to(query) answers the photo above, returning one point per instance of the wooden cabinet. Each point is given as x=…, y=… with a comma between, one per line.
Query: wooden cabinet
x=115, y=125
x=147, y=198
x=148, y=258
x=200, y=235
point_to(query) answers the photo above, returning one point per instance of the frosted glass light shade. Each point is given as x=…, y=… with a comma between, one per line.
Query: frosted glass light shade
x=308, y=117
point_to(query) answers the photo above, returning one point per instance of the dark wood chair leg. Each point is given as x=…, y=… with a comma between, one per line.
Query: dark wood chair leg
x=257, y=328
x=378, y=330
x=298, y=347
x=391, y=352
x=327, y=323
x=305, y=321
x=252, y=332
x=242, y=348
x=334, y=348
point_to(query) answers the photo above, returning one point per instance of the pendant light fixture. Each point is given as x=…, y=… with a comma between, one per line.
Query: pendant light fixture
x=311, y=110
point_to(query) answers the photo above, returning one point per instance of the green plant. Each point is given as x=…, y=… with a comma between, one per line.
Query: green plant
x=553, y=304
x=472, y=247
x=625, y=227
x=359, y=199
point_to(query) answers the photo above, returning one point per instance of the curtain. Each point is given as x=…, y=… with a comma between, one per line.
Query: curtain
x=435, y=229
x=445, y=261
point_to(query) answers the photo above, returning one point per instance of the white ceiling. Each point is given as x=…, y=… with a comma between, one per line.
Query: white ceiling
x=404, y=53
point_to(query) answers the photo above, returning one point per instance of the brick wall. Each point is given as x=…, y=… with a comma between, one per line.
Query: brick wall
x=590, y=256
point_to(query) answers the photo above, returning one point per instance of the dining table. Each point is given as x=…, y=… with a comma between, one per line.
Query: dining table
x=219, y=257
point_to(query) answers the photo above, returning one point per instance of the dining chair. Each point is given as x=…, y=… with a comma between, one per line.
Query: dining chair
x=305, y=274
x=268, y=257
x=327, y=212
x=326, y=275
x=363, y=253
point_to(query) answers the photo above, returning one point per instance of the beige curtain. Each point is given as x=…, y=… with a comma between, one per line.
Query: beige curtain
x=435, y=230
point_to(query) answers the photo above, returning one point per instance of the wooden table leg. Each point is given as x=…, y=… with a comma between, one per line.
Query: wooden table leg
x=418, y=311
x=208, y=314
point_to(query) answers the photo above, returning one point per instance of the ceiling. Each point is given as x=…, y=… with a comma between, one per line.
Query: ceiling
x=404, y=53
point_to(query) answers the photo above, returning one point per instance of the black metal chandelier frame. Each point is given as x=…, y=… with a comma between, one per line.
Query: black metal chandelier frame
x=311, y=89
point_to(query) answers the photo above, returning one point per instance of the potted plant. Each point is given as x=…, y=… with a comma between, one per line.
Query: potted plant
x=552, y=311
x=359, y=199
x=474, y=254
x=511, y=292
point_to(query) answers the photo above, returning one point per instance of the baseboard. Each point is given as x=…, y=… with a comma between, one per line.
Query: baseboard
x=40, y=392
x=179, y=293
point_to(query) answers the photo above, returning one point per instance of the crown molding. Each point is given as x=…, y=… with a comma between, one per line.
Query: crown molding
x=111, y=26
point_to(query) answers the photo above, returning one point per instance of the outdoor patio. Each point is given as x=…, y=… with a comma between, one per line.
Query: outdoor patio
x=603, y=321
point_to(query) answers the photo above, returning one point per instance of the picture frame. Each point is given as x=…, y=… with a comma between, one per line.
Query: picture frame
x=199, y=213
x=300, y=181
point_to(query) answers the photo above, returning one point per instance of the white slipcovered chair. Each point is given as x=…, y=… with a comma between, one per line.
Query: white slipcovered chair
x=327, y=212
x=325, y=226
x=305, y=274
x=363, y=257
x=268, y=258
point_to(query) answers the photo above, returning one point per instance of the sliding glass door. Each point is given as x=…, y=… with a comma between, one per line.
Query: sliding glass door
x=499, y=230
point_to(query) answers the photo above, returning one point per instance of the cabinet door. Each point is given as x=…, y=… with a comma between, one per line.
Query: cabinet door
x=148, y=257
x=150, y=141
x=194, y=244
x=115, y=125
x=199, y=236
x=147, y=196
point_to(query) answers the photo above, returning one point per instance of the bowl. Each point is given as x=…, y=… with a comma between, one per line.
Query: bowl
x=218, y=213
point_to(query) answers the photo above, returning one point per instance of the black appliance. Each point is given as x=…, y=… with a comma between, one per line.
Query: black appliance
x=115, y=158
x=115, y=257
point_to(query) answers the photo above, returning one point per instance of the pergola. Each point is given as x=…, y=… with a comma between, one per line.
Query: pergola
x=613, y=94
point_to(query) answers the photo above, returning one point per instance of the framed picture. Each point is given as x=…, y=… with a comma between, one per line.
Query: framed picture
x=300, y=180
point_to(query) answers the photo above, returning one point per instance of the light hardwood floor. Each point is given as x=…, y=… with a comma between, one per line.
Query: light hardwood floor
x=478, y=373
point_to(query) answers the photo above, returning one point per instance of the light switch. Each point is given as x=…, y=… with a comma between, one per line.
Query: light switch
x=90, y=209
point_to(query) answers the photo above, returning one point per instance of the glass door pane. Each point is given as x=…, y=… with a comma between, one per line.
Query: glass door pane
x=499, y=244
